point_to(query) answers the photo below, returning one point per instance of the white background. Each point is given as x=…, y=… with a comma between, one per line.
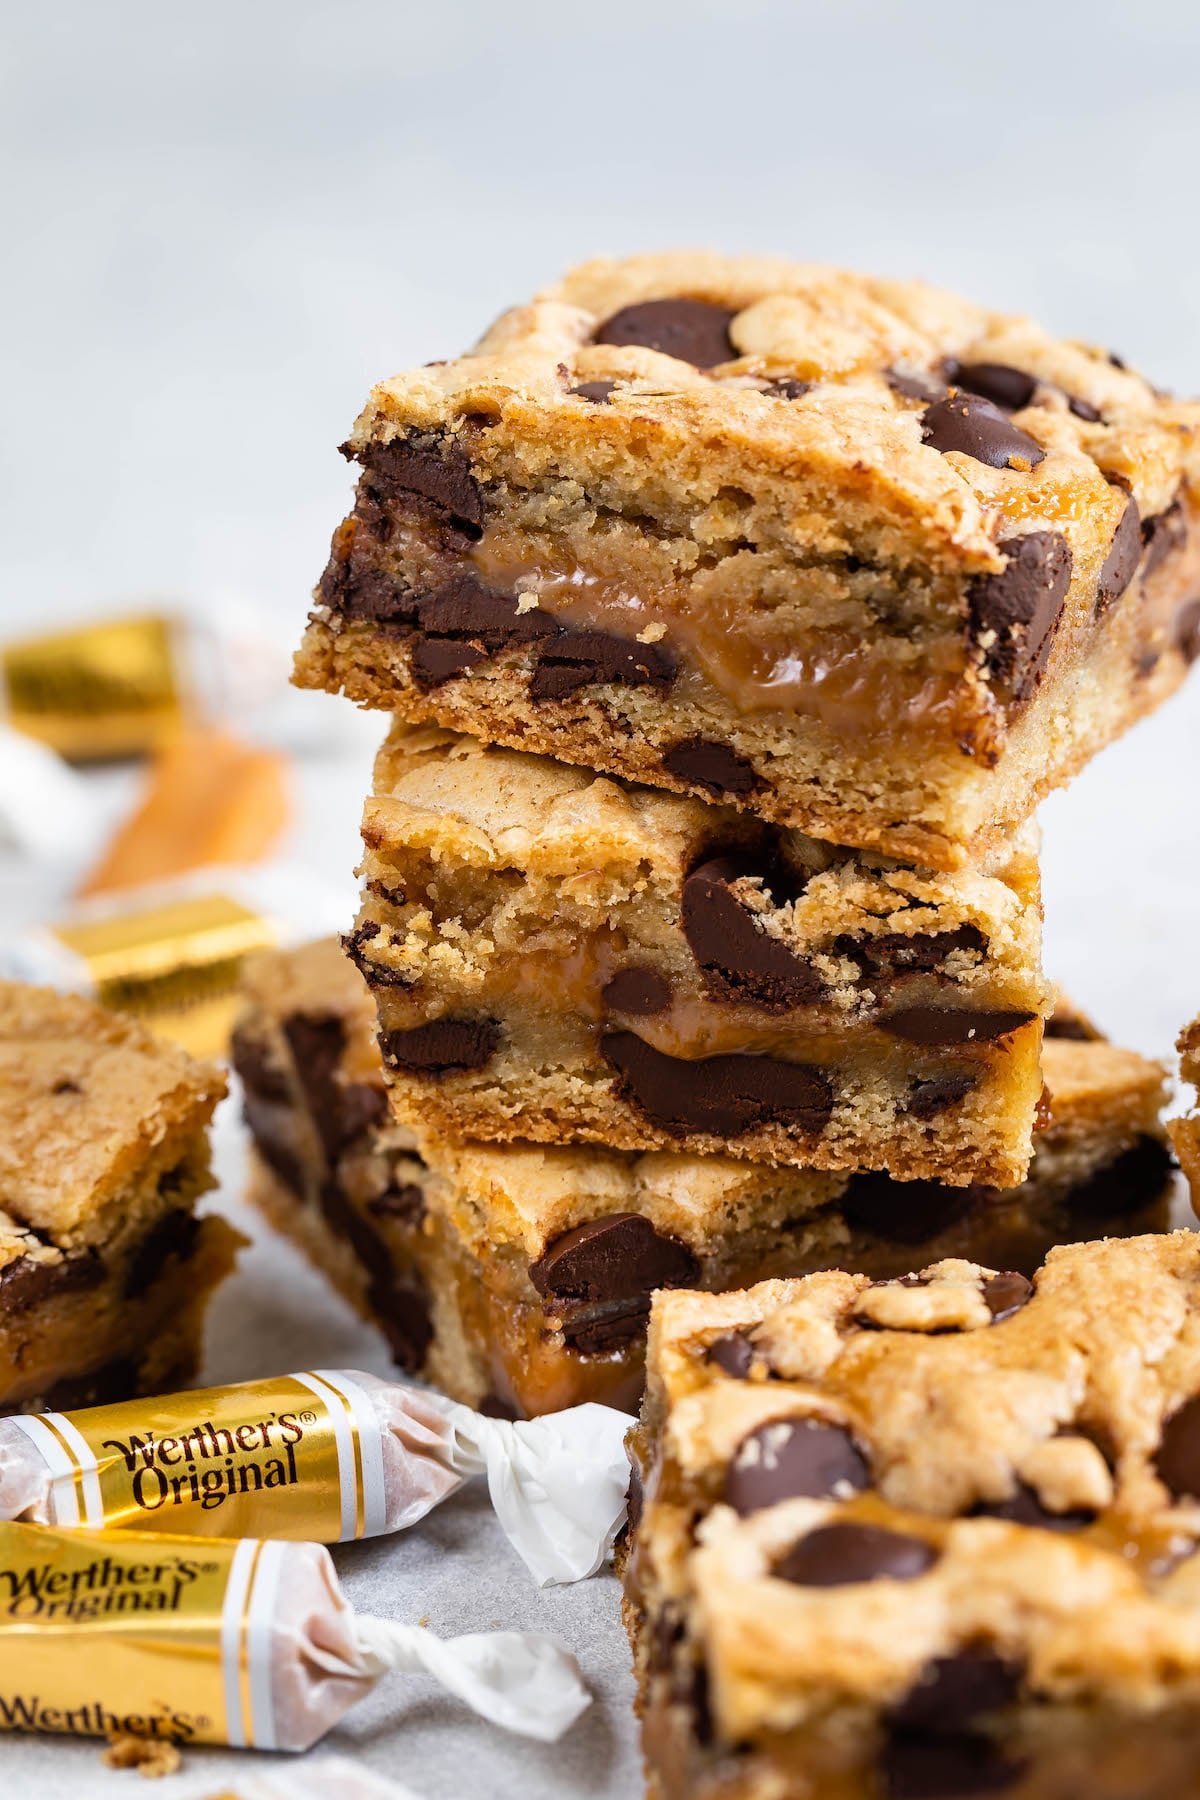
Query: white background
x=221, y=223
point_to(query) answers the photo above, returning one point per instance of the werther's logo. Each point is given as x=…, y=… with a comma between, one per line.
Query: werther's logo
x=93, y=1719
x=103, y=1586
x=210, y=1464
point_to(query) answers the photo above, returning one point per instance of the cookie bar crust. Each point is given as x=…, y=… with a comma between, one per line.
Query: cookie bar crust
x=1186, y=1131
x=947, y=1522
x=536, y=1264
x=888, y=570
x=105, y=1268
x=557, y=956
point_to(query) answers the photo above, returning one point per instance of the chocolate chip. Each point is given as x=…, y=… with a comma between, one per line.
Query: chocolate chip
x=951, y=1691
x=733, y=1353
x=442, y=477
x=1130, y=1181
x=395, y=1297
x=66, y=1087
x=724, y=1095
x=438, y=660
x=1165, y=532
x=894, y=955
x=340, y=1111
x=635, y=1498
x=915, y=1767
x=578, y=659
x=354, y=943
x=978, y=429
x=940, y=1025
x=598, y=392
x=1186, y=631
x=620, y=1257
x=1120, y=565
x=711, y=766
x=171, y=1238
x=1000, y=383
x=915, y=387
x=464, y=607
x=904, y=1212
x=638, y=991
x=838, y=1555
x=1016, y=613
x=1069, y=1026
x=1006, y=1294
x=792, y=1459
x=1083, y=409
x=692, y=331
x=1178, y=1459
x=26, y=1282
x=1024, y=1508
x=739, y=959
x=266, y=1079
x=441, y=1046
x=785, y=387
x=405, y=1202
x=929, y=1099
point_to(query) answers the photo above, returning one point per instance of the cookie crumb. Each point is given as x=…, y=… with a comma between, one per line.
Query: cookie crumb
x=653, y=634
x=152, y=1757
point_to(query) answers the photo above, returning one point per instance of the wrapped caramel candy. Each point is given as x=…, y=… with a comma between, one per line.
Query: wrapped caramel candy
x=324, y=1455
x=231, y=1642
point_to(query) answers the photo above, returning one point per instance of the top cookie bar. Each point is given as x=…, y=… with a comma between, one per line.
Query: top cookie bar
x=851, y=553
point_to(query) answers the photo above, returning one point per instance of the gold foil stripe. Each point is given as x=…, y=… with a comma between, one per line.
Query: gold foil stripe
x=351, y=1477
x=245, y=1696
x=76, y=1467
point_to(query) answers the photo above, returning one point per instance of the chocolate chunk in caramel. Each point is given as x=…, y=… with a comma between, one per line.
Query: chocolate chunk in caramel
x=440, y=476
x=599, y=1278
x=26, y=1281
x=441, y=1046
x=946, y=1025
x=979, y=429
x=1023, y=1507
x=692, y=331
x=724, y=1095
x=638, y=991
x=838, y=1555
x=579, y=659
x=714, y=767
x=1120, y=565
x=1015, y=615
x=739, y=959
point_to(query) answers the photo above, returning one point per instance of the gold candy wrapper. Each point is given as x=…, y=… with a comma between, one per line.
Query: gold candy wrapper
x=231, y=1642
x=99, y=691
x=329, y=1455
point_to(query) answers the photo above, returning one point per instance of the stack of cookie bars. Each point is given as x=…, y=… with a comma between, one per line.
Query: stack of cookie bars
x=732, y=616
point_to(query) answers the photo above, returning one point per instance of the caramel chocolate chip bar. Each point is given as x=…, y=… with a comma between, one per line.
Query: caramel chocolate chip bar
x=559, y=957
x=852, y=554
x=518, y=1278
x=105, y=1268
x=1185, y=1131
x=926, y=1537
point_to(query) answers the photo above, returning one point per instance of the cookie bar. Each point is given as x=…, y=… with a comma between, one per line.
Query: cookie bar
x=559, y=957
x=105, y=1269
x=518, y=1277
x=1186, y=1131
x=852, y=554
x=926, y=1537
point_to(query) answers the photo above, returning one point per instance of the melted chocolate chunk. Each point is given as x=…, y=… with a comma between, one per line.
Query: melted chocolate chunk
x=1000, y=383
x=1120, y=565
x=929, y=1099
x=265, y=1079
x=438, y=660
x=741, y=961
x=635, y=1498
x=405, y=1202
x=1186, y=631
x=26, y=1282
x=913, y=386
x=904, y=1212
x=638, y=991
x=935, y=1026
x=838, y=1555
x=893, y=955
x=977, y=428
x=341, y=1111
x=954, y=1767
x=173, y=1237
x=598, y=392
x=1068, y=1025
x=692, y=331
x=619, y=1257
x=397, y=1299
x=733, y=1353
x=791, y=1459
x=1178, y=1459
x=441, y=477
x=66, y=1086
x=1165, y=532
x=711, y=766
x=1083, y=409
x=1132, y=1180
x=466, y=608
x=786, y=387
x=442, y=1046
x=1006, y=1294
x=1015, y=615
x=273, y=1141
x=952, y=1691
x=375, y=974
x=724, y=1095
x=1024, y=1508
x=578, y=659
